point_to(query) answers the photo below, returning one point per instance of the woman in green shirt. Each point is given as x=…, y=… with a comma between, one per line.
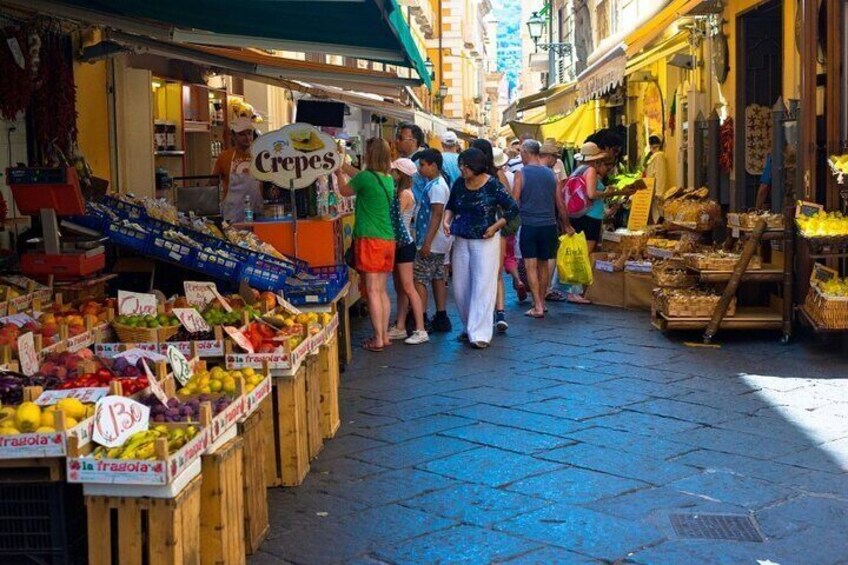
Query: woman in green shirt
x=373, y=235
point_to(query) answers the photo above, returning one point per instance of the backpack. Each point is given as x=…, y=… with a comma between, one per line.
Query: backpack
x=575, y=196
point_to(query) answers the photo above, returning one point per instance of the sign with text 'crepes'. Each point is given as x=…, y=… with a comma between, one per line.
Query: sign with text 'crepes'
x=295, y=155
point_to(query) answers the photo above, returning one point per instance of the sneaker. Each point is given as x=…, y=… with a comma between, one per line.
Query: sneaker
x=417, y=338
x=480, y=344
x=500, y=322
x=396, y=333
x=441, y=323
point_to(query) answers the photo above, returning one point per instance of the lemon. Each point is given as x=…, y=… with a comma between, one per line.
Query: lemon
x=249, y=387
x=70, y=423
x=47, y=418
x=72, y=407
x=27, y=417
x=205, y=390
x=215, y=386
x=248, y=372
x=45, y=430
x=229, y=385
x=8, y=431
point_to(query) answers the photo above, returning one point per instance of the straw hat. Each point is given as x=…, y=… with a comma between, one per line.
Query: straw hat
x=591, y=152
x=550, y=148
x=501, y=158
x=404, y=165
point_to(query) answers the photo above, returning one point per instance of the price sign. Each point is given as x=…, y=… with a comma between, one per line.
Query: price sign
x=27, y=354
x=640, y=205
x=288, y=305
x=200, y=294
x=808, y=209
x=85, y=395
x=240, y=339
x=154, y=385
x=822, y=274
x=141, y=303
x=179, y=365
x=191, y=319
x=117, y=418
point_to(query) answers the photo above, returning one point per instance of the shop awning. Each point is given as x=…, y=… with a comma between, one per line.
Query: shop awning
x=571, y=130
x=540, y=98
x=659, y=23
x=603, y=76
x=659, y=52
x=367, y=29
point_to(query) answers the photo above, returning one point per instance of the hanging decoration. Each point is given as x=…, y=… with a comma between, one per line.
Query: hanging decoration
x=16, y=69
x=725, y=157
x=757, y=137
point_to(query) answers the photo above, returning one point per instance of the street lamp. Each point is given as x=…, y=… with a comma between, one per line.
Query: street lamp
x=443, y=91
x=428, y=65
x=535, y=25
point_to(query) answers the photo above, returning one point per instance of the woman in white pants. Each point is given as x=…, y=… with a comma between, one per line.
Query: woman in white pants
x=479, y=206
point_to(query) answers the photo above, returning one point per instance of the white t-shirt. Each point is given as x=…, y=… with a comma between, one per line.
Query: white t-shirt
x=439, y=194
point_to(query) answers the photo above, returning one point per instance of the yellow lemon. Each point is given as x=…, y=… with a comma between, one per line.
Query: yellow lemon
x=215, y=386
x=27, y=417
x=229, y=385
x=47, y=418
x=45, y=430
x=70, y=423
x=72, y=407
x=248, y=372
x=8, y=431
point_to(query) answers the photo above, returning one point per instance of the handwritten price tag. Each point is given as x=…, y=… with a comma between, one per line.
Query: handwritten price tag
x=191, y=319
x=154, y=385
x=199, y=293
x=117, y=418
x=27, y=354
x=179, y=365
x=240, y=339
x=136, y=303
x=88, y=394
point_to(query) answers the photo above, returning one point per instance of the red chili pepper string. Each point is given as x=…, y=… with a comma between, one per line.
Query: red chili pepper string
x=16, y=86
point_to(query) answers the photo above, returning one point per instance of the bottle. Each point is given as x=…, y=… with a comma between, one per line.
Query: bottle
x=248, y=210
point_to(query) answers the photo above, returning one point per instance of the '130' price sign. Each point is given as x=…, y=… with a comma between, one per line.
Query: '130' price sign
x=191, y=319
x=117, y=418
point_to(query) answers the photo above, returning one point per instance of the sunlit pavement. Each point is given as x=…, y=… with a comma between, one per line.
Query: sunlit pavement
x=577, y=439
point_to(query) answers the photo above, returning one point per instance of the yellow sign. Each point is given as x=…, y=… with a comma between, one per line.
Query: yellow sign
x=640, y=206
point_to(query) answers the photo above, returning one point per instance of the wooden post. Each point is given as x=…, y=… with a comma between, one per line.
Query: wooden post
x=778, y=137
x=809, y=62
x=748, y=251
x=833, y=96
x=713, y=147
x=697, y=159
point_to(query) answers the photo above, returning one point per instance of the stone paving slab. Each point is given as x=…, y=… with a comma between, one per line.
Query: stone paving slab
x=571, y=440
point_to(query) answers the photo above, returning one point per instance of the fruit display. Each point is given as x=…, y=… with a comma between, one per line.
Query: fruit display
x=187, y=410
x=823, y=224
x=10, y=332
x=839, y=163
x=689, y=207
x=835, y=287
x=266, y=338
x=147, y=321
x=219, y=379
x=217, y=316
x=28, y=417
x=12, y=385
x=66, y=365
x=141, y=445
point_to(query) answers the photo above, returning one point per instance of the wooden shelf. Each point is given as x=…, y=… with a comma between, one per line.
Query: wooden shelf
x=177, y=153
x=815, y=326
x=746, y=318
x=768, y=273
x=190, y=126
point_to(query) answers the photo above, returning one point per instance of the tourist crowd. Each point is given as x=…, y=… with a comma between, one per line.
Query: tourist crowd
x=469, y=216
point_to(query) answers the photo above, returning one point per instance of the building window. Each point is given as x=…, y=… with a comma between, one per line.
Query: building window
x=603, y=19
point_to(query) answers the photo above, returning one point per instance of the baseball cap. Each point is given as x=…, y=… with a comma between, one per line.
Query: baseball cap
x=241, y=124
x=449, y=138
x=404, y=165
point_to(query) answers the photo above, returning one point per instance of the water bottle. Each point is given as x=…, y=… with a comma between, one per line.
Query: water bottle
x=248, y=210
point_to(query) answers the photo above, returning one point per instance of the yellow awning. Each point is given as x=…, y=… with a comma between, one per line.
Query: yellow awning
x=572, y=129
x=540, y=98
x=654, y=27
x=660, y=52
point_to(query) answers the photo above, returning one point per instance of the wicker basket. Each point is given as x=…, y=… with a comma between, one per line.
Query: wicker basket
x=129, y=334
x=828, y=312
x=694, y=304
x=748, y=221
x=673, y=278
x=827, y=244
x=708, y=262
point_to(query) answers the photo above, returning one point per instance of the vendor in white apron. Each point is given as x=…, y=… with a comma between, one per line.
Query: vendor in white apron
x=233, y=167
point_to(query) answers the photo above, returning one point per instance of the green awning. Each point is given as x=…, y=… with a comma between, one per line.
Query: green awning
x=367, y=29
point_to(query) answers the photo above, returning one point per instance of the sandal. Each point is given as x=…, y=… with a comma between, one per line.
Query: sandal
x=555, y=296
x=370, y=345
x=577, y=299
x=533, y=314
x=521, y=290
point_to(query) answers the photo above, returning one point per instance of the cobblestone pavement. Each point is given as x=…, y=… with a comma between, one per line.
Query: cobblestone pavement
x=573, y=440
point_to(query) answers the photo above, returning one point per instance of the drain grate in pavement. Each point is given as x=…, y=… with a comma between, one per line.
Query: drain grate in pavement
x=717, y=527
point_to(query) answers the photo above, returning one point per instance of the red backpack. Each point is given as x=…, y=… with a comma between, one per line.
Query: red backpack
x=575, y=196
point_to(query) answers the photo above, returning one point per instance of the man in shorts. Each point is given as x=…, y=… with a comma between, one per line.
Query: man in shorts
x=432, y=244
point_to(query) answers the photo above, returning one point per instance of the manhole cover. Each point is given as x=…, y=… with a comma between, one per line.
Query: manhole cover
x=716, y=526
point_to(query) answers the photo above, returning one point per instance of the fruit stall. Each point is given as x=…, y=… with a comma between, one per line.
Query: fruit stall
x=136, y=412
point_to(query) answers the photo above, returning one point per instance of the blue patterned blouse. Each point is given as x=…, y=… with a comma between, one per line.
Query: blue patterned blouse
x=475, y=210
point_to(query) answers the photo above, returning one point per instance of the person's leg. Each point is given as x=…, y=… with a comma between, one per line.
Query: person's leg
x=387, y=308
x=374, y=291
x=532, y=267
x=461, y=280
x=402, y=298
x=410, y=293
x=421, y=276
x=543, y=274
x=484, y=267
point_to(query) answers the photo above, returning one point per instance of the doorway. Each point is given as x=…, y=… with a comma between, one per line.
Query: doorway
x=759, y=64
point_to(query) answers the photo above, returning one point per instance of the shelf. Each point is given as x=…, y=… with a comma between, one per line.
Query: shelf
x=746, y=318
x=177, y=153
x=815, y=326
x=768, y=273
x=190, y=126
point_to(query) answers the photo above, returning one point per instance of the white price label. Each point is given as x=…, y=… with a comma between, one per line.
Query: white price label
x=117, y=418
x=191, y=319
x=288, y=305
x=154, y=385
x=141, y=303
x=179, y=365
x=200, y=294
x=27, y=355
x=240, y=339
x=85, y=395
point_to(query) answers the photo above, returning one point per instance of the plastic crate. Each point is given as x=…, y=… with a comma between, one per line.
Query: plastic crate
x=124, y=209
x=263, y=275
x=126, y=236
x=42, y=522
x=172, y=251
x=329, y=282
x=216, y=265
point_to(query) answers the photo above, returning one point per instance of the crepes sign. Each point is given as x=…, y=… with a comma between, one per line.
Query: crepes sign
x=295, y=155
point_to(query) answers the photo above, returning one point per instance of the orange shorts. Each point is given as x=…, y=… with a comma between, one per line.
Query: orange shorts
x=374, y=255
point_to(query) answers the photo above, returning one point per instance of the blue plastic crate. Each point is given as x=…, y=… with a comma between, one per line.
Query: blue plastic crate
x=125, y=209
x=264, y=275
x=328, y=283
x=171, y=251
x=128, y=237
x=218, y=266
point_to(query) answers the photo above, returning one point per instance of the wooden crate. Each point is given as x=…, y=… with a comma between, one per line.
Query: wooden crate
x=288, y=451
x=255, y=496
x=314, y=433
x=222, y=506
x=328, y=356
x=35, y=469
x=145, y=530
